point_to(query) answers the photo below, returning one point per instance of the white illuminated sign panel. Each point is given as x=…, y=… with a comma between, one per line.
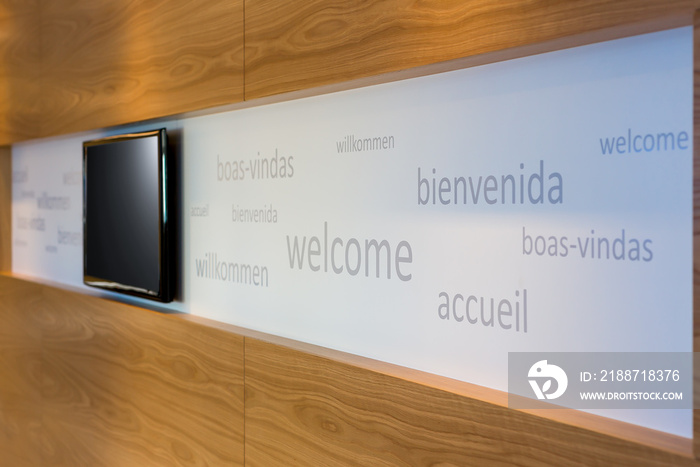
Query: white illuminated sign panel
x=539, y=204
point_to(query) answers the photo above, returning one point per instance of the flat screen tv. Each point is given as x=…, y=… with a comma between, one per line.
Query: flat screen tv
x=127, y=227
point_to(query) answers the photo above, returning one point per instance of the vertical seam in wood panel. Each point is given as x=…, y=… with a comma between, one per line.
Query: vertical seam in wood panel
x=40, y=123
x=696, y=229
x=42, y=379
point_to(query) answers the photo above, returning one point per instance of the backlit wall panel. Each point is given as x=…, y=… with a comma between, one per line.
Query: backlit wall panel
x=539, y=204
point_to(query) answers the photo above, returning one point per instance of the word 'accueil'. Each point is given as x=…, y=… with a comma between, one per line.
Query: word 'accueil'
x=505, y=313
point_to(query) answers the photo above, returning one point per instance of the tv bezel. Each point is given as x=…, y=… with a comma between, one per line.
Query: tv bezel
x=165, y=241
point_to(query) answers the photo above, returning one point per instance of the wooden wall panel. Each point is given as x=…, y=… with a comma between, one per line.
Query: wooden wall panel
x=110, y=62
x=20, y=374
x=19, y=70
x=76, y=65
x=124, y=386
x=101, y=383
x=305, y=409
x=84, y=381
x=14, y=7
x=299, y=44
x=69, y=65
x=5, y=208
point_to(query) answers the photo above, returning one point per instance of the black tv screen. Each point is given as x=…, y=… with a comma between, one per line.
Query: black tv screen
x=126, y=231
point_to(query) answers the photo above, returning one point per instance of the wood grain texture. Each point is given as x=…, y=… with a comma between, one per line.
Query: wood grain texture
x=605, y=427
x=20, y=374
x=19, y=72
x=110, y=62
x=86, y=381
x=76, y=65
x=10, y=8
x=5, y=208
x=122, y=386
x=304, y=409
x=301, y=44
